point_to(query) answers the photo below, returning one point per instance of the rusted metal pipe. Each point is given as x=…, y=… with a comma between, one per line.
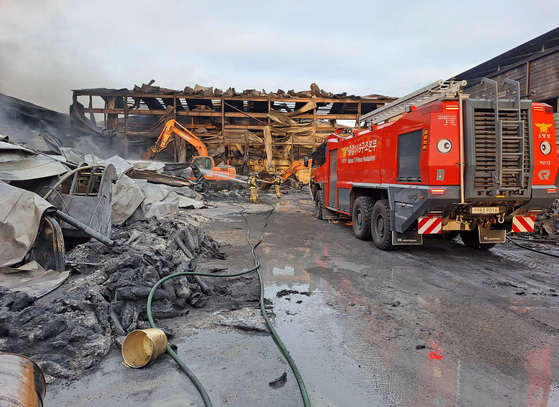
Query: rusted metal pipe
x=84, y=228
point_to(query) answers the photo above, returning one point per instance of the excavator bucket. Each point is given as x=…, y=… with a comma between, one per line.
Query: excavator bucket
x=148, y=155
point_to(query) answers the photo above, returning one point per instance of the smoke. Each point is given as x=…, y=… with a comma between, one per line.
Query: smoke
x=49, y=48
x=21, y=120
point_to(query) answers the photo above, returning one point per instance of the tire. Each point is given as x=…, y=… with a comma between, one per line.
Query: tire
x=361, y=217
x=205, y=187
x=470, y=238
x=450, y=235
x=380, y=225
x=319, y=204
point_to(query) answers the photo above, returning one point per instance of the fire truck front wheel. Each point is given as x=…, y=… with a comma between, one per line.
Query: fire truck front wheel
x=361, y=217
x=380, y=225
x=319, y=204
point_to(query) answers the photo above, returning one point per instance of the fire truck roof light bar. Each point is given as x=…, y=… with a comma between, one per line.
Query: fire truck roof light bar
x=436, y=90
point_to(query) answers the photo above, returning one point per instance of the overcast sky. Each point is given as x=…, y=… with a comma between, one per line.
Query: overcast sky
x=50, y=47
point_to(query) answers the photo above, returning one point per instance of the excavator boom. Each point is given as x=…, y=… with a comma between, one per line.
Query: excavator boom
x=172, y=127
x=210, y=175
x=292, y=169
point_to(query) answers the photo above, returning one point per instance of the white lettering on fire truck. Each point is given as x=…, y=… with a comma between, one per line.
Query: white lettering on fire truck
x=361, y=159
x=450, y=120
x=368, y=146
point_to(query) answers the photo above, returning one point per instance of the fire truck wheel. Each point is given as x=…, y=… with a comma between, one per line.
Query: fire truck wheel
x=319, y=204
x=471, y=239
x=380, y=225
x=361, y=217
x=450, y=235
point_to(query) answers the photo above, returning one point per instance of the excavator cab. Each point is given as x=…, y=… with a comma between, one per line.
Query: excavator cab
x=204, y=163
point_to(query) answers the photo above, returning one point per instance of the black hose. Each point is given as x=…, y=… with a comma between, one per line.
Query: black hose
x=275, y=336
x=554, y=241
x=529, y=248
x=273, y=332
x=182, y=365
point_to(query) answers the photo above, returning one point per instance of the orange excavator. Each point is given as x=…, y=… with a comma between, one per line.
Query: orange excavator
x=288, y=172
x=214, y=177
x=292, y=169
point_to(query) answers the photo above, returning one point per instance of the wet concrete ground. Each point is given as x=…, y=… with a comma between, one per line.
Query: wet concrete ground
x=437, y=325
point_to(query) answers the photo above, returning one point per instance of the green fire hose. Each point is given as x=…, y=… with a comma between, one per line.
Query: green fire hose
x=275, y=336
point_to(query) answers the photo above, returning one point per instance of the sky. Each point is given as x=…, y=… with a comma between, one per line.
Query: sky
x=50, y=47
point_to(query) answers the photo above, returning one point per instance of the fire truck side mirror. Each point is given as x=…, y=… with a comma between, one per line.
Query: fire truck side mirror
x=306, y=161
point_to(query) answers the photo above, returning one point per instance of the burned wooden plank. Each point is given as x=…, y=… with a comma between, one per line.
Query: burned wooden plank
x=157, y=178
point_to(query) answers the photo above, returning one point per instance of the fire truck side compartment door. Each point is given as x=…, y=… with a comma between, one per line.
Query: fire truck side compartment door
x=343, y=199
x=333, y=179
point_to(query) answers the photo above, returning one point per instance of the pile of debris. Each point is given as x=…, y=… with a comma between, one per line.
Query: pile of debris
x=231, y=92
x=73, y=328
x=547, y=224
x=65, y=299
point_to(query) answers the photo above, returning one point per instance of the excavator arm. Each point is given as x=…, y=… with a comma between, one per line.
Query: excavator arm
x=292, y=169
x=172, y=127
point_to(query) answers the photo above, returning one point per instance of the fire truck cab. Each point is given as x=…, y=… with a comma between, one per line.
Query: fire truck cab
x=438, y=162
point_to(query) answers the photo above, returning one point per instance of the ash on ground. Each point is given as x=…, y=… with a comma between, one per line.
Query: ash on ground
x=70, y=330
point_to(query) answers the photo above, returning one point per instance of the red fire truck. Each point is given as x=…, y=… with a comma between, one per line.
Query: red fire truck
x=439, y=162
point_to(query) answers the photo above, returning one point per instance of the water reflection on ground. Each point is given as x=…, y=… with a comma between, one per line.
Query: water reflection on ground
x=352, y=351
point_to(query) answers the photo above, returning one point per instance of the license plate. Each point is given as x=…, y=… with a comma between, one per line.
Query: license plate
x=485, y=210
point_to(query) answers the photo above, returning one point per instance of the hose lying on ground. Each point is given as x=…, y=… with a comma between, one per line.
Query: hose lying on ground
x=529, y=248
x=277, y=340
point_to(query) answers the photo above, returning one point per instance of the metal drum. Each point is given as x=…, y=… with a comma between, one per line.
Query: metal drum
x=22, y=383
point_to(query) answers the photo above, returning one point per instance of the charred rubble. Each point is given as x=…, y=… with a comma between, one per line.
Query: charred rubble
x=74, y=327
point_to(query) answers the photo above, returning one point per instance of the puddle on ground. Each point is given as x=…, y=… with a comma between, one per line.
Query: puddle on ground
x=330, y=339
x=325, y=348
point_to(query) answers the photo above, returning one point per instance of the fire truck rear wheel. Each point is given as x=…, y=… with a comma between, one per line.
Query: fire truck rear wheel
x=471, y=239
x=361, y=217
x=319, y=204
x=380, y=225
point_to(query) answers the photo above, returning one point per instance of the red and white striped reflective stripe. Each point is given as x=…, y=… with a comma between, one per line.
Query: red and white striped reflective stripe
x=428, y=225
x=523, y=224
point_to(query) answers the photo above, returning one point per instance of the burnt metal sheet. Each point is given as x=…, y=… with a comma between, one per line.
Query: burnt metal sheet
x=32, y=279
x=18, y=163
x=49, y=249
x=21, y=212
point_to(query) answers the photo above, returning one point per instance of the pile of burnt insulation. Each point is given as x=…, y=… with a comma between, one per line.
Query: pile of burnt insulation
x=74, y=327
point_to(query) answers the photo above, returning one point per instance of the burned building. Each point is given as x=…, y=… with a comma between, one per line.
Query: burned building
x=534, y=64
x=252, y=130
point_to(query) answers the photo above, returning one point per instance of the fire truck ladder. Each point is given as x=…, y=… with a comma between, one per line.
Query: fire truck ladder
x=435, y=91
x=514, y=133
